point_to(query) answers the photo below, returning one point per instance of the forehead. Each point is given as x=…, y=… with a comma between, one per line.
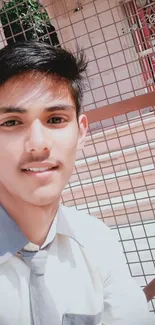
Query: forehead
x=34, y=90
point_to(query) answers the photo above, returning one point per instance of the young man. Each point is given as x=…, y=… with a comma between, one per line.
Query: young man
x=57, y=265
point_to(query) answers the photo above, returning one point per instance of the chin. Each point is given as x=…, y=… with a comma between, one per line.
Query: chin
x=42, y=199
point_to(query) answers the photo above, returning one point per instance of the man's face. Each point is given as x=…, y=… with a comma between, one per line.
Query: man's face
x=38, y=129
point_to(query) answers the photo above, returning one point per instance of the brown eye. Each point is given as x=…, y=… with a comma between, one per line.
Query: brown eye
x=56, y=120
x=11, y=123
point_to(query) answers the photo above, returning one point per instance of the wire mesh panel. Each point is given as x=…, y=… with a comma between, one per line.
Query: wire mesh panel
x=114, y=177
x=118, y=38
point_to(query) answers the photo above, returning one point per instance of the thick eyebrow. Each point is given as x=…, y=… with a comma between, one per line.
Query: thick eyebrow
x=20, y=110
x=6, y=110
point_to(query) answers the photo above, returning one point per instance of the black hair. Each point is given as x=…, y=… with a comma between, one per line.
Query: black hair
x=26, y=56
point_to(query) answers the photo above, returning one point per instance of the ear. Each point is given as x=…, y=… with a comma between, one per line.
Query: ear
x=83, y=127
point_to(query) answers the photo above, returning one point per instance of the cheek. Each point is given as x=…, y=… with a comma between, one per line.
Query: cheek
x=68, y=137
x=12, y=150
x=66, y=149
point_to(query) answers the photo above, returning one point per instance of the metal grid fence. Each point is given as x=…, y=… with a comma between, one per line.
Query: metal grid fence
x=118, y=38
x=114, y=177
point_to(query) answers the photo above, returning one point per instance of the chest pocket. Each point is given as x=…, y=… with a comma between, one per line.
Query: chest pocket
x=75, y=319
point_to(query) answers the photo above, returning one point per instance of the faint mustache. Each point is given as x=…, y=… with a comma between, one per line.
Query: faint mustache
x=40, y=160
x=36, y=157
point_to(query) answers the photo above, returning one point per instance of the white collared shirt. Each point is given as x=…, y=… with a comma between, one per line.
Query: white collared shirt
x=85, y=275
x=31, y=247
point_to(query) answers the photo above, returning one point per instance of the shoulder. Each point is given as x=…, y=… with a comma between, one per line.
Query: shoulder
x=86, y=228
x=97, y=240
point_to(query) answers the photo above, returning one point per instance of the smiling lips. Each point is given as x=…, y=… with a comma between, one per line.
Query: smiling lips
x=39, y=170
x=38, y=167
x=41, y=173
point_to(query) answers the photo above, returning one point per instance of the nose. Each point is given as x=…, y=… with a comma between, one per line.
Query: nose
x=38, y=139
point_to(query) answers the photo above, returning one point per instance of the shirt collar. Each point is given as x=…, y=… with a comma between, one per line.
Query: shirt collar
x=12, y=240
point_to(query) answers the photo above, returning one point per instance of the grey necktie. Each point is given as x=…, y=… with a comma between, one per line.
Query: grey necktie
x=44, y=311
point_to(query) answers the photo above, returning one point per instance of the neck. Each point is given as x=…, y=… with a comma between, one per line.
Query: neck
x=34, y=221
